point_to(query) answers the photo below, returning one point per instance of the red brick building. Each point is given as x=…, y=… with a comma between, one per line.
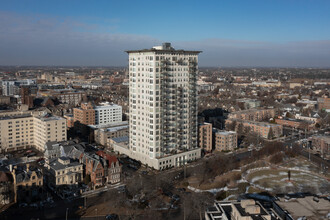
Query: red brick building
x=293, y=123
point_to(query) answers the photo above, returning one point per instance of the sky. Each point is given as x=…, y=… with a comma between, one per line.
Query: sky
x=235, y=33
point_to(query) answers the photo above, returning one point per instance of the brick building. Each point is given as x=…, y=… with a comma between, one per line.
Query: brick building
x=84, y=115
x=205, y=136
x=293, y=123
x=323, y=103
x=225, y=140
x=263, y=129
x=253, y=114
x=321, y=144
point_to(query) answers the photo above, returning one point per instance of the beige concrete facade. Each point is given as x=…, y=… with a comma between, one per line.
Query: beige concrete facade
x=25, y=130
x=63, y=171
x=225, y=140
x=163, y=106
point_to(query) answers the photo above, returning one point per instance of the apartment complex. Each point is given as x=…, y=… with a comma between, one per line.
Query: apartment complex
x=293, y=123
x=323, y=103
x=85, y=115
x=67, y=96
x=23, y=130
x=107, y=113
x=253, y=114
x=225, y=140
x=205, y=136
x=163, y=106
x=246, y=103
x=103, y=133
x=10, y=88
x=103, y=114
x=321, y=144
x=263, y=129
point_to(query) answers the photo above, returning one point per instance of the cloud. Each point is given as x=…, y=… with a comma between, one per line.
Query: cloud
x=40, y=40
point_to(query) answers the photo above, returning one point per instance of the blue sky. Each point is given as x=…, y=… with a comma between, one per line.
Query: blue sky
x=230, y=33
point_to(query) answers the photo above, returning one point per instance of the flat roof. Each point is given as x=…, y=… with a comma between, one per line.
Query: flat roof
x=50, y=118
x=226, y=132
x=8, y=117
x=107, y=106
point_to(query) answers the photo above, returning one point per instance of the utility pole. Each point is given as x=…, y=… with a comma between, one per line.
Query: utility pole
x=185, y=171
x=184, y=210
x=66, y=214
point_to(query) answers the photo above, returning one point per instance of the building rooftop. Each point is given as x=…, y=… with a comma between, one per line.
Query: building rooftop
x=225, y=132
x=56, y=164
x=8, y=117
x=165, y=48
x=49, y=118
x=121, y=139
x=104, y=105
x=110, y=125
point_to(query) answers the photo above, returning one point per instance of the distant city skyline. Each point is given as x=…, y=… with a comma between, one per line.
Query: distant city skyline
x=230, y=33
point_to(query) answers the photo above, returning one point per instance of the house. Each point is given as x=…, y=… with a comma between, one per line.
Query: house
x=64, y=171
x=28, y=183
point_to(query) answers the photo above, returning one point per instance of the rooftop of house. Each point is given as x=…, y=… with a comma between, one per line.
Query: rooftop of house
x=62, y=163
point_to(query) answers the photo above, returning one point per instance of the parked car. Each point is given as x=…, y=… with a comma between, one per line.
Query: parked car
x=112, y=217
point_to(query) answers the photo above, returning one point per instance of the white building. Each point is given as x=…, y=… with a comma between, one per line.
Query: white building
x=107, y=113
x=163, y=106
x=10, y=88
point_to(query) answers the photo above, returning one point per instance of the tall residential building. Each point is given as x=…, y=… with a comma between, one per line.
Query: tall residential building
x=205, y=136
x=107, y=113
x=163, y=106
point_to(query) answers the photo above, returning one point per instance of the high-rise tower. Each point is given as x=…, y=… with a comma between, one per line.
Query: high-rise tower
x=163, y=106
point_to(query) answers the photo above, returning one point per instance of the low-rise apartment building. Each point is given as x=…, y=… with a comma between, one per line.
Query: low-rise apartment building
x=103, y=133
x=293, y=123
x=253, y=114
x=25, y=130
x=323, y=103
x=263, y=129
x=321, y=144
x=107, y=113
x=103, y=114
x=84, y=115
x=205, y=136
x=68, y=96
x=225, y=140
x=313, y=119
x=248, y=103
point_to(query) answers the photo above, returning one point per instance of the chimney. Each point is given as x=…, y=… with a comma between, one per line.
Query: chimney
x=10, y=167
